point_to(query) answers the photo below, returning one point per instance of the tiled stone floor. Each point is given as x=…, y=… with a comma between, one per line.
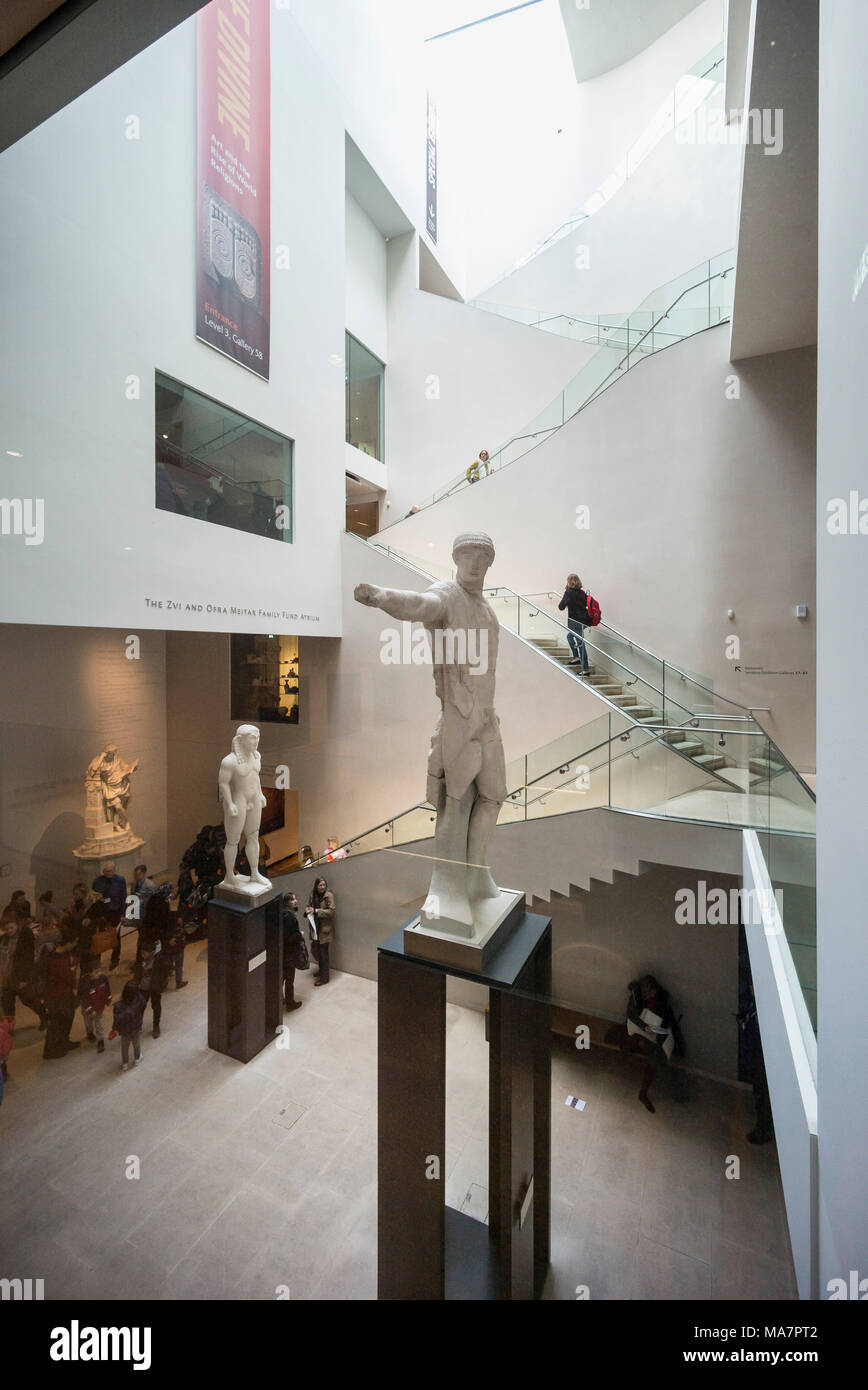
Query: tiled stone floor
x=260, y=1178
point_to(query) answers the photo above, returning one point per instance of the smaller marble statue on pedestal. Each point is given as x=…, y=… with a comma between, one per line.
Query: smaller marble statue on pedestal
x=243, y=800
x=107, y=793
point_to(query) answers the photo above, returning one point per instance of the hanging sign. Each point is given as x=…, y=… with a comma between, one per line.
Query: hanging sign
x=233, y=238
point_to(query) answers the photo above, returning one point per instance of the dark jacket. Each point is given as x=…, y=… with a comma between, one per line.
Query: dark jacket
x=128, y=1016
x=661, y=1005
x=113, y=891
x=154, y=979
x=295, y=956
x=575, y=601
x=24, y=956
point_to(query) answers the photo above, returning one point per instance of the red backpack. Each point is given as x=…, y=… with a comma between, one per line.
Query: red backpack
x=594, y=613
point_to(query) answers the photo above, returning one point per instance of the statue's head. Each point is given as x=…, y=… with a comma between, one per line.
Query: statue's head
x=473, y=553
x=110, y=750
x=246, y=740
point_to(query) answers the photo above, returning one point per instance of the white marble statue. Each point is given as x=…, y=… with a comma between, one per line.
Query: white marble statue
x=107, y=793
x=241, y=794
x=466, y=772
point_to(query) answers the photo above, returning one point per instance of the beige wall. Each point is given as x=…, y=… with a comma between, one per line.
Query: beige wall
x=64, y=693
x=699, y=502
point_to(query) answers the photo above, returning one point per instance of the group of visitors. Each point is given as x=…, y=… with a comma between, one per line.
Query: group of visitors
x=320, y=918
x=51, y=962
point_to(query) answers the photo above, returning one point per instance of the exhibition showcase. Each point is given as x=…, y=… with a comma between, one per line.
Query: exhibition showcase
x=415, y=665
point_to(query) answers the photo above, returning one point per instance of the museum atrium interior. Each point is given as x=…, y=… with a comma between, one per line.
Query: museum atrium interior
x=351, y=343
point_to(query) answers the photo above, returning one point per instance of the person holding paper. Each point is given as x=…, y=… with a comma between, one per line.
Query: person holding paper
x=320, y=913
x=650, y=1017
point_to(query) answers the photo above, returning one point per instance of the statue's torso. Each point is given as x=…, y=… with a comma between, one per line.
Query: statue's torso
x=464, y=648
x=245, y=780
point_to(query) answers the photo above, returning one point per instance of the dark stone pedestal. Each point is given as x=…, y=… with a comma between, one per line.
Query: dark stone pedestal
x=426, y=1251
x=245, y=1007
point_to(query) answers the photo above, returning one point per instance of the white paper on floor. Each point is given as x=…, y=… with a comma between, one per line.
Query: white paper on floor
x=575, y=1102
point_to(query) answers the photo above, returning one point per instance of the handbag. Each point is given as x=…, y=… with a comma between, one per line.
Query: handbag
x=302, y=956
x=104, y=940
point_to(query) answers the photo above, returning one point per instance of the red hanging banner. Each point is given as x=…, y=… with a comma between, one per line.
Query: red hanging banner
x=233, y=280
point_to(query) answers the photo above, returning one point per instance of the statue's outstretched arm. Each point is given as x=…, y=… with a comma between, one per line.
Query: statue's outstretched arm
x=405, y=604
x=402, y=603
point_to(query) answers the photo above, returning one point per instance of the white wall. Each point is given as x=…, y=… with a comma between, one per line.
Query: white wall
x=698, y=503
x=366, y=281
x=372, y=60
x=535, y=144
x=678, y=209
x=359, y=752
x=98, y=242
x=65, y=693
x=842, y=752
x=459, y=380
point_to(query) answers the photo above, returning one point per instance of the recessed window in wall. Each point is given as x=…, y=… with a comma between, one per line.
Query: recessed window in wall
x=263, y=678
x=213, y=464
x=365, y=393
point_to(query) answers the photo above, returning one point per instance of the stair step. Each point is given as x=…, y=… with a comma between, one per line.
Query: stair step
x=691, y=746
x=607, y=689
x=638, y=711
x=763, y=765
x=710, y=760
x=677, y=735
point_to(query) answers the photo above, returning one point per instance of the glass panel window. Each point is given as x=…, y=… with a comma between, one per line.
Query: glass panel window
x=365, y=392
x=213, y=464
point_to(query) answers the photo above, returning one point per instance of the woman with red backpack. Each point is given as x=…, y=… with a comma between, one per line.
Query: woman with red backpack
x=579, y=616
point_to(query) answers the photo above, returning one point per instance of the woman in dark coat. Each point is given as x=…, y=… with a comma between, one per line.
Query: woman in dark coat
x=648, y=993
x=575, y=601
x=295, y=956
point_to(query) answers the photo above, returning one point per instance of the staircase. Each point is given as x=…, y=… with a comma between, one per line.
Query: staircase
x=684, y=741
x=695, y=723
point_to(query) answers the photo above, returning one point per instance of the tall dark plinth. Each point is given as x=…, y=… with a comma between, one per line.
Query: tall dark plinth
x=426, y=1250
x=244, y=974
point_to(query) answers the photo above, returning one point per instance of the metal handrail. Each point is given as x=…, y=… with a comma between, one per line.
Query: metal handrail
x=547, y=593
x=691, y=717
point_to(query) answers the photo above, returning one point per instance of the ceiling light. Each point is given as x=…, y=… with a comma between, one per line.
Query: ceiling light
x=14, y=453
x=335, y=360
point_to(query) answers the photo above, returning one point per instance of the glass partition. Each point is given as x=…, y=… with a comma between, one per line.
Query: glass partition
x=365, y=390
x=214, y=464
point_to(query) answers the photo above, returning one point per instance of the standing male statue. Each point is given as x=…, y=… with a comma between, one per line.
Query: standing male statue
x=466, y=772
x=241, y=794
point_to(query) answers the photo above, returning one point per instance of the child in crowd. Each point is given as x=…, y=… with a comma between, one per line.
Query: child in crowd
x=94, y=994
x=128, y=1023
